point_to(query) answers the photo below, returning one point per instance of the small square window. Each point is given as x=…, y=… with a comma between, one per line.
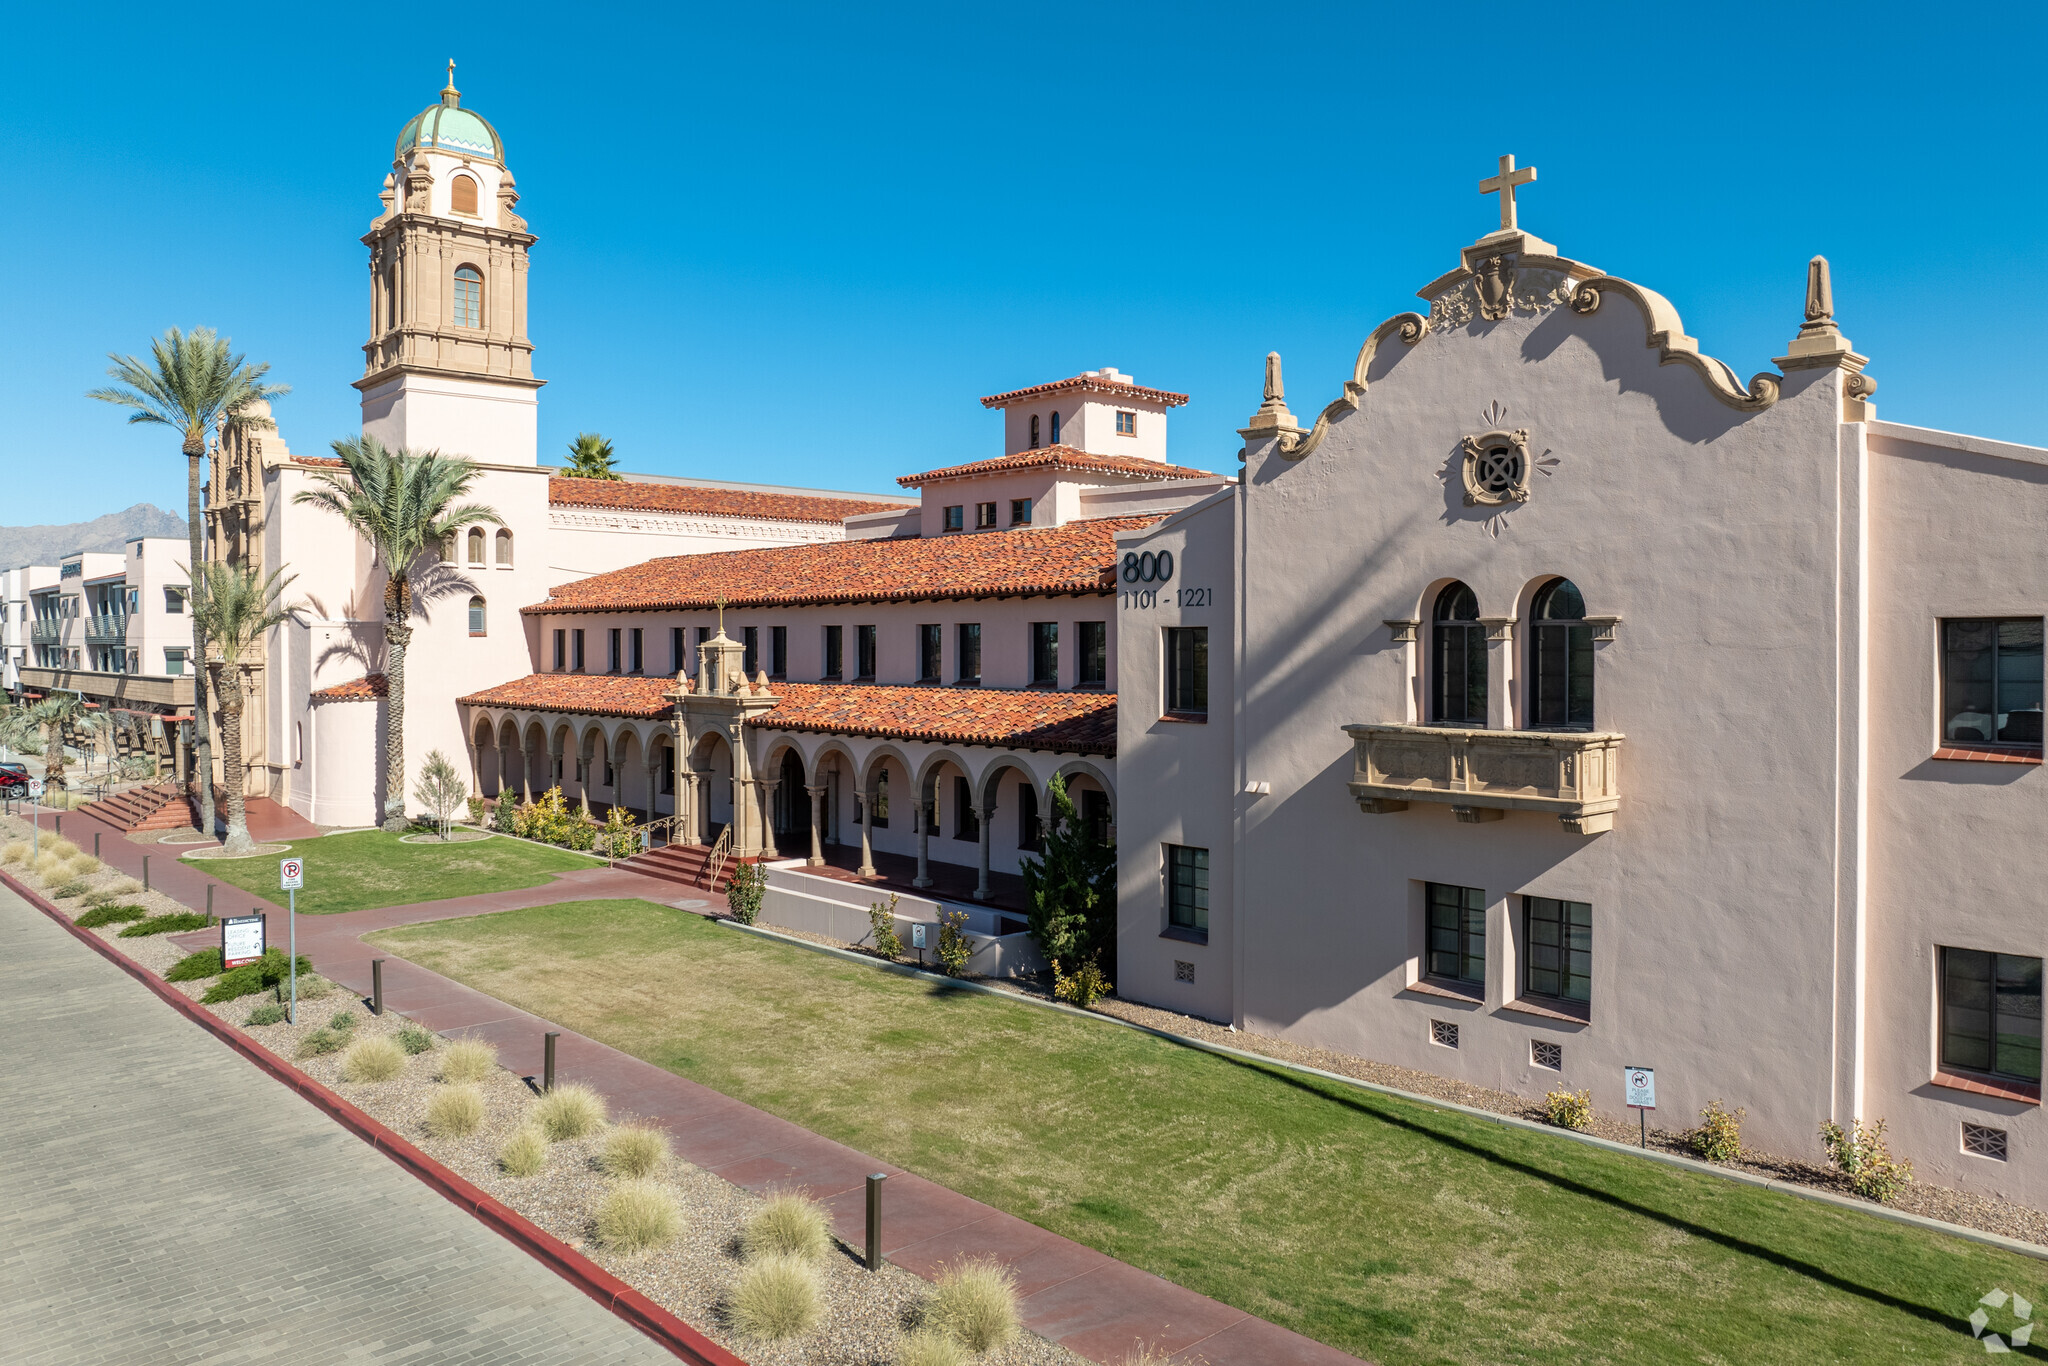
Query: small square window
x=1549, y=1056
x=1020, y=512
x=952, y=517
x=984, y=516
x=1981, y=1140
x=1443, y=1033
x=1183, y=971
x=1126, y=424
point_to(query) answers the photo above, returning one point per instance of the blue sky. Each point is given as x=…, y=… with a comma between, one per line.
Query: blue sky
x=797, y=243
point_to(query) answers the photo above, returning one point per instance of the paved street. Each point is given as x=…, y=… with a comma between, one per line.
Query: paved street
x=164, y=1201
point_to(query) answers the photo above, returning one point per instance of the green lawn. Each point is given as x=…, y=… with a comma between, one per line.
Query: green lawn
x=1396, y=1231
x=372, y=868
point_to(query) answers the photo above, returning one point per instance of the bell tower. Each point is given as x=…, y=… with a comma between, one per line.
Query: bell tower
x=448, y=365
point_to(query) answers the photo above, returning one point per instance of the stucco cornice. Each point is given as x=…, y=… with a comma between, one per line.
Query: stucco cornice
x=1666, y=333
x=1954, y=441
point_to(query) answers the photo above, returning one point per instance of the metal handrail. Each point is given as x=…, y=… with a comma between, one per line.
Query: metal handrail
x=720, y=852
x=667, y=825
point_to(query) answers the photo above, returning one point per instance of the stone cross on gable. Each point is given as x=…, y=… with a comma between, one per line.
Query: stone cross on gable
x=1504, y=184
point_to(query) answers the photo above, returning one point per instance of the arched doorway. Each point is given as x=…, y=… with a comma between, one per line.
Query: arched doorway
x=792, y=803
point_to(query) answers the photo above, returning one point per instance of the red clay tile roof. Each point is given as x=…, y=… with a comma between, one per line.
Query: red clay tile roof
x=1058, y=458
x=776, y=507
x=1066, y=722
x=356, y=689
x=634, y=695
x=1079, y=557
x=324, y=461
x=1093, y=381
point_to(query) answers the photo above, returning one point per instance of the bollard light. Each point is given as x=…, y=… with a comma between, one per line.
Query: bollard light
x=547, y=1082
x=60, y=825
x=376, y=986
x=145, y=872
x=95, y=844
x=875, y=1220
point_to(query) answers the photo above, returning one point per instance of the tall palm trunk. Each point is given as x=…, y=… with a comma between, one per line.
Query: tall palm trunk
x=202, y=745
x=53, y=756
x=397, y=635
x=231, y=757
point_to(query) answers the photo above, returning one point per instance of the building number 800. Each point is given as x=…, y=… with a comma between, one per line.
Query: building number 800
x=1149, y=567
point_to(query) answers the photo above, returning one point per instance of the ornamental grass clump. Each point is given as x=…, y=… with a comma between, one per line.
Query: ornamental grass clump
x=269, y=1013
x=525, y=1153
x=322, y=1042
x=1861, y=1154
x=635, y=1150
x=375, y=1059
x=975, y=1303
x=455, y=1111
x=1719, y=1137
x=788, y=1225
x=63, y=849
x=638, y=1216
x=50, y=865
x=1568, y=1109
x=777, y=1297
x=16, y=852
x=415, y=1040
x=71, y=890
x=568, y=1112
x=469, y=1060
x=928, y=1347
x=85, y=865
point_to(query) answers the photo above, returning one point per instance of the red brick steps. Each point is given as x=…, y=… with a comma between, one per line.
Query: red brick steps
x=684, y=863
x=159, y=806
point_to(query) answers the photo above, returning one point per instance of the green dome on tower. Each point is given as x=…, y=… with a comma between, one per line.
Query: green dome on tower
x=448, y=127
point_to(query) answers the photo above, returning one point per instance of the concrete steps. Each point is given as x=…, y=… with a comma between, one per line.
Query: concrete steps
x=159, y=806
x=684, y=863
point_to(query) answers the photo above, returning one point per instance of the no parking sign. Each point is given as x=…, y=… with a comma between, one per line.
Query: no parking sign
x=291, y=875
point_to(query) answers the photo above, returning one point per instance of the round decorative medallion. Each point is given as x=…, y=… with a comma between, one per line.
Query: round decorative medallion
x=1497, y=468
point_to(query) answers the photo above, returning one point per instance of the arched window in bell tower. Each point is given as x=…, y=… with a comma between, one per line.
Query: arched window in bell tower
x=469, y=297
x=462, y=195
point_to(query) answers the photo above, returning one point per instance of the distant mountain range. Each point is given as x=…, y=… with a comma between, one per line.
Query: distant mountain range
x=21, y=545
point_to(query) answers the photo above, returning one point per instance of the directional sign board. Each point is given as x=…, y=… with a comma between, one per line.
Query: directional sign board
x=241, y=940
x=1641, y=1085
x=291, y=875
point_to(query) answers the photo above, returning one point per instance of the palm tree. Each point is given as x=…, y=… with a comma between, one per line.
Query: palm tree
x=403, y=503
x=590, y=457
x=53, y=714
x=238, y=607
x=195, y=384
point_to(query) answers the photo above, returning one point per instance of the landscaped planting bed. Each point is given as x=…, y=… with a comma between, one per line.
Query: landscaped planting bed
x=365, y=868
x=1388, y=1228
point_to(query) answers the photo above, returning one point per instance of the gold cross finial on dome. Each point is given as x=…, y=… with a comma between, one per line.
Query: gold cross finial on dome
x=449, y=94
x=1504, y=184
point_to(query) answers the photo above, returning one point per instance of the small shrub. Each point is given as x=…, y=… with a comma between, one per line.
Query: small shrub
x=619, y=837
x=1084, y=988
x=168, y=924
x=505, y=818
x=16, y=852
x=975, y=1303
x=50, y=865
x=271, y=970
x=883, y=920
x=469, y=1060
x=322, y=1041
x=928, y=1347
x=99, y=899
x=63, y=849
x=110, y=915
x=777, y=1297
x=127, y=886
x=373, y=1059
x=269, y=1013
x=638, y=1216
x=955, y=948
x=788, y=1225
x=568, y=1112
x=454, y=1111
x=342, y=1019
x=1719, y=1137
x=1568, y=1109
x=1143, y=1354
x=525, y=1153
x=71, y=890
x=312, y=986
x=85, y=865
x=635, y=1150
x=1862, y=1155
x=195, y=967
x=478, y=804
x=415, y=1040
x=743, y=893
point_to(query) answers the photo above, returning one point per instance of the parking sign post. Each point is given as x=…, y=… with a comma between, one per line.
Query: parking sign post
x=291, y=875
x=35, y=815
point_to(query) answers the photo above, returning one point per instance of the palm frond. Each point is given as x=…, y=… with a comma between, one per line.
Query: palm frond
x=236, y=606
x=190, y=381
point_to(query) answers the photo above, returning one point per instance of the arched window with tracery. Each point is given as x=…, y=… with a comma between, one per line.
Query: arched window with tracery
x=469, y=297
x=504, y=548
x=1457, y=660
x=476, y=545
x=476, y=616
x=1560, y=659
x=462, y=195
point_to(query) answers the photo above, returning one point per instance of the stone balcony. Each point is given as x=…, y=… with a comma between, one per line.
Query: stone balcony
x=1484, y=774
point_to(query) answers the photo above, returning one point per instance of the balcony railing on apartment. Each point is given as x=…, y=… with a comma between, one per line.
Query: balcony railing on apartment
x=107, y=628
x=42, y=632
x=1483, y=774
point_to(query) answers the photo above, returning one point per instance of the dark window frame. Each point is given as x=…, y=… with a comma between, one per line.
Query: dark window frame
x=561, y=648
x=1091, y=654
x=1187, y=891
x=678, y=650
x=953, y=517
x=930, y=645
x=866, y=649
x=1020, y=512
x=577, y=657
x=967, y=638
x=778, y=652
x=2002, y=697
x=1457, y=660
x=833, y=664
x=1560, y=662
x=1045, y=654
x=984, y=516
x=636, y=650
x=1186, y=650
x=750, y=650
x=1554, y=966
x=611, y=650
x=1987, y=1052
x=1454, y=921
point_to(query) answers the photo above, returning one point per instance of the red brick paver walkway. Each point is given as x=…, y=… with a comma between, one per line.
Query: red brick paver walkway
x=1074, y=1295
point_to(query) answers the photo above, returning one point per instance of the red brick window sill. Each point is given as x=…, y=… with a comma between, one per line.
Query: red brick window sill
x=1469, y=993
x=1990, y=754
x=2026, y=1092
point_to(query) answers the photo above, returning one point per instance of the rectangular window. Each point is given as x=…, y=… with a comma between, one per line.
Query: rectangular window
x=750, y=649
x=1187, y=889
x=1126, y=424
x=1020, y=512
x=636, y=655
x=966, y=825
x=1558, y=939
x=1187, y=671
x=864, y=652
x=561, y=650
x=984, y=516
x=1091, y=670
x=1991, y=681
x=174, y=601
x=1991, y=1013
x=611, y=650
x=1457, y=933
x=1045, y=654
x=174, y=662
x=834, y=653
x=576, y=649
x=1027, y=817
x=678, y=660
x=778, y=651
x=928, y=653
x=969, y=661
x=951, y=517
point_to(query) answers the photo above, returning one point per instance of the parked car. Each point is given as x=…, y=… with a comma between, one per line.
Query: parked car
x=13, y=777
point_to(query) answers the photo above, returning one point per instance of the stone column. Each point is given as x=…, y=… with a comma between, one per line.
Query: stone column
x=653, y=790
x=984, y=815
x=924, y=842
x=867, y=848
x=767, y=788
x=1500, y=672
x=689, y=795
x=817, y=858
